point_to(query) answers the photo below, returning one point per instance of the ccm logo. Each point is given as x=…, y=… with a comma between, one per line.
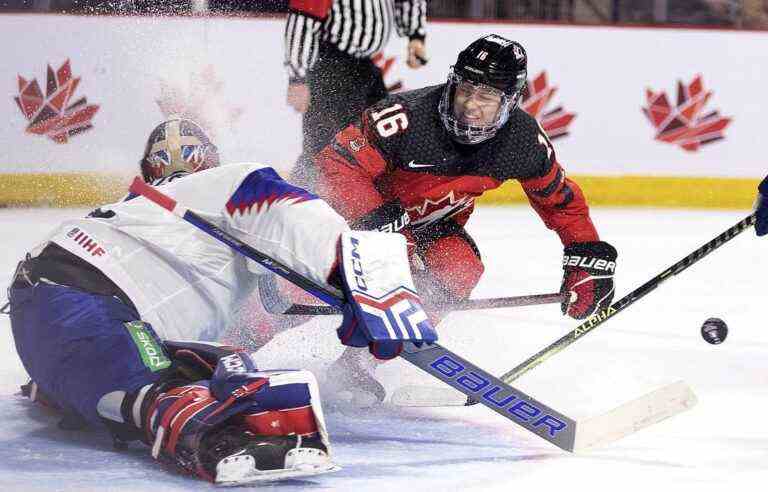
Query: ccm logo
x=233, y=363
x=589, y=262
x=357, y=266
x=491, y=393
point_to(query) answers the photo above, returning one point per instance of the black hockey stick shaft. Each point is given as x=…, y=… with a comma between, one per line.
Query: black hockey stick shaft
x=626, y=301
x=468, y=305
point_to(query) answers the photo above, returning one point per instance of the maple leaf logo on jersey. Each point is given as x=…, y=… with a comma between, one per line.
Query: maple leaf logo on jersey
x=536, y=97
x=684, y=124
x=385, y=65
x=432, y=211
x=265, y=187
x=51, y=114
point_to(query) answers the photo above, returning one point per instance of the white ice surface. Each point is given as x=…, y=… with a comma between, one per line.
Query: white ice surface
x=722, y=444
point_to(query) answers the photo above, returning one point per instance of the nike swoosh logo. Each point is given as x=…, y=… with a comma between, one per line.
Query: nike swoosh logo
x=413, y=165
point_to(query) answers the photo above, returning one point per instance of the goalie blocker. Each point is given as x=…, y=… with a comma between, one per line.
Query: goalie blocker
x=383, y=309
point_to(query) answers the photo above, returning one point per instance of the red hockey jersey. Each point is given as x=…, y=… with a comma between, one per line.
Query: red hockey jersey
x=399, y=159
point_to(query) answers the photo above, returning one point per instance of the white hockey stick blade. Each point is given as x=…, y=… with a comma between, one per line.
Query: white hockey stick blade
x=427, y=396
x=632, y=416
x=622, y=421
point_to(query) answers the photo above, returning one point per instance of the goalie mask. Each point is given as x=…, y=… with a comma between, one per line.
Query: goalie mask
x=483, y=88
x=178, y=144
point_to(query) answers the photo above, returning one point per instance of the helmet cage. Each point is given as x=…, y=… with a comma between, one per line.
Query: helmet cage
x=177, y=145
x=473, y=134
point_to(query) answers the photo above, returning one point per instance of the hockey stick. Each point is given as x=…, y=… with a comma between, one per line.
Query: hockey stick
x=427, y=397
x=274, y=303
x=598, y=319
x=453, y=370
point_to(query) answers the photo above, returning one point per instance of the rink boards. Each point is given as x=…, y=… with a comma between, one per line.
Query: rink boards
x=84, y=189
x=676, y=127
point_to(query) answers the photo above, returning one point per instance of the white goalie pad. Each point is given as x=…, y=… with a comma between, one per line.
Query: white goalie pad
x=626, y=419
x=240, y=468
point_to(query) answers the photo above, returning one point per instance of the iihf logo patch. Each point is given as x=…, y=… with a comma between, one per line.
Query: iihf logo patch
x=86, y=242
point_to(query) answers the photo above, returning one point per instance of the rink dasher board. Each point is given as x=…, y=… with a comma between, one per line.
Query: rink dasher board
x=559, y=429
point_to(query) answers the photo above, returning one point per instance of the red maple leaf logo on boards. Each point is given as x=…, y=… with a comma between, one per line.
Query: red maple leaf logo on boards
x=684, y=125
x=52, y=115
x=536, y=97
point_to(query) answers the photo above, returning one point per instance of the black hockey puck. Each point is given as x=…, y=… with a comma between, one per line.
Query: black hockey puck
x=714, y=331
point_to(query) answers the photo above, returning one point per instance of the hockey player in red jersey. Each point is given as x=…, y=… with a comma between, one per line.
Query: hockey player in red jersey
x=415, y=162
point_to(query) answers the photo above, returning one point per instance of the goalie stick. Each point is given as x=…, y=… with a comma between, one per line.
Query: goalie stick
x=275, y=303
x=513, y=404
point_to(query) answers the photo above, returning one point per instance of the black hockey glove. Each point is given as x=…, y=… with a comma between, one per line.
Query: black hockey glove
x=388, y=217
x=588, y=270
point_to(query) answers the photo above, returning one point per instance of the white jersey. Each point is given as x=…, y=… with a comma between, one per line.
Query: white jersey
x=181, y=280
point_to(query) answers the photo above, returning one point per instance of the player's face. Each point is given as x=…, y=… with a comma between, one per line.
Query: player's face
x=476, y=104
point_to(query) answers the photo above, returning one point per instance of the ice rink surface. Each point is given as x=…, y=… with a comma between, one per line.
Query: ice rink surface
x=721, y=444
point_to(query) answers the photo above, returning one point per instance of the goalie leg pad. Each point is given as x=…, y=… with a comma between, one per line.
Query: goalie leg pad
x=243, y=425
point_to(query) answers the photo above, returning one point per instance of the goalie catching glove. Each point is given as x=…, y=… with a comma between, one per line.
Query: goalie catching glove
x=587, y=286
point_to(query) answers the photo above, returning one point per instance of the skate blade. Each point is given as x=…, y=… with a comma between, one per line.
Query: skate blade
x=240, y=469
